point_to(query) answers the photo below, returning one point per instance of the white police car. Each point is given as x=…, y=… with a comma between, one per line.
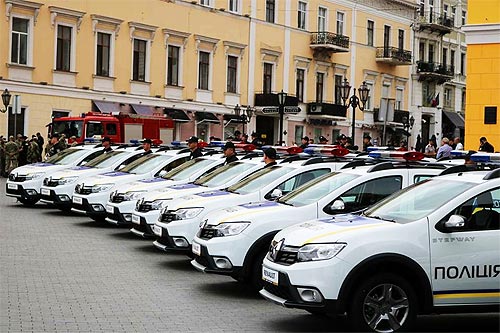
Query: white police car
x=58, y=188
x=234, y=240
x=24, y=182
x=148, y=208
x=123, y=199
x=90, y=196
x=433, y=247
x=183, y=216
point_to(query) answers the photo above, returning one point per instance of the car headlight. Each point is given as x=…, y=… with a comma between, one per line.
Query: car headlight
x=133, y=195
x=188, y=213
x=67, y=180
x=35, y=175
x=314, y=252
x=230, y=228
x=101, y=187
x=158, y=204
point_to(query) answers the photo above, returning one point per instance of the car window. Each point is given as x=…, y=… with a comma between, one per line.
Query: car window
x=111, y=129
x=370, y=192
x=419, y=178
x=128, y=161
x=259, y=179
x=105, y=160
x=299, y=180
x=221, y=175
x=91, y=156
x=172, y=165
x=94, y=128
x=482, y=212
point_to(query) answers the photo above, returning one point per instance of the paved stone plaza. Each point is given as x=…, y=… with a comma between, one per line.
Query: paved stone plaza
x=68, y=273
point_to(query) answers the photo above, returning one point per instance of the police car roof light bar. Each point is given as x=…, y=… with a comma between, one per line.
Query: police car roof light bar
x=486, y=157
x=409, y=156
x=244, y=146
x=291, y=150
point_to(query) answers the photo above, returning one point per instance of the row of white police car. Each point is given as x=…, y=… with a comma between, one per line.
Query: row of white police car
x=379, y=237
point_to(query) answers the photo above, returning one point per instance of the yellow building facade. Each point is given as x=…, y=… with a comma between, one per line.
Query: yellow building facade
x=483, y=78
x=195, y=61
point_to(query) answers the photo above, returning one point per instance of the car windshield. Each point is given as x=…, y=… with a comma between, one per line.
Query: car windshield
x=259, y=179
x=106, y=160
x=67, y=156
x=186, y=170
x=221, y=175
x=317, y=189
x=417, y=201
x=146, y=163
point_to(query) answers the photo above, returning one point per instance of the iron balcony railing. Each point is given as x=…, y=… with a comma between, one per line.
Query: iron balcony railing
x=434, y=68
x=400, y=55
x=329, y=38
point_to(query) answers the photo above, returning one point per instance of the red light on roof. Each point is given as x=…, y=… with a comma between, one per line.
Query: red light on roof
x=340, y=151
x=413, y=156
x=157, y=142
x=202, y=144
x=293, y=150
x=245, y=146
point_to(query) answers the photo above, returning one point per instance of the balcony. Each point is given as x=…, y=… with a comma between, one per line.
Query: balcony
x=399, y=115
x=329, y=41
x=393, y=56
x=326, y=109
x=433, y=22
x=434, y=72
x=271, y=99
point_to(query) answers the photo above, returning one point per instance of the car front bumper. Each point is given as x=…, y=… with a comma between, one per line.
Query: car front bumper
x=24, y=190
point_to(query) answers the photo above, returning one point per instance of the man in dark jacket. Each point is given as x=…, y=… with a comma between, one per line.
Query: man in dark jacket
x=55, y=145
x=193, y=146
x=106, y=144
x=270, y=157
x=229, y=152
x=484, y=145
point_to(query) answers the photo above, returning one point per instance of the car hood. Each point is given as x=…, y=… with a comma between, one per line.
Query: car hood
x=203, y=199
x=143, y=185
x=256, y=212
x=174, y=191
x=338, y=228
x=75, y=171
x=37, y=167
x=115, y=177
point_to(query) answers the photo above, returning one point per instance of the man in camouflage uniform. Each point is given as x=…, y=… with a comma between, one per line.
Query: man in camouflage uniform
x=11, y=155
x=2, y=156
x=33, y=155
x=63, y=142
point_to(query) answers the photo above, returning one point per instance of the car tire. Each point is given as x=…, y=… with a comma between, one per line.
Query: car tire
x=256, y=271
x=28, y=202
x=383, y=303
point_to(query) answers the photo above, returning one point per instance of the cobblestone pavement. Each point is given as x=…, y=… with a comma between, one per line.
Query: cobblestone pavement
x=68, y=273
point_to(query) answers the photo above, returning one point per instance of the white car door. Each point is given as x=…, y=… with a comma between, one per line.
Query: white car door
x=465, y=262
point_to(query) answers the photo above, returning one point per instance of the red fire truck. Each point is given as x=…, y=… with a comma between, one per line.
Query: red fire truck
x=120, y=127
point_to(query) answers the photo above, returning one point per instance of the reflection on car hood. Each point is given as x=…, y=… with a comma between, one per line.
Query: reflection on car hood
x=256, y=212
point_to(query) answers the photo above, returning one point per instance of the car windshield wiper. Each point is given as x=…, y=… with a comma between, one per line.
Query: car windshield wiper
x=380, y=218
x=284, y=203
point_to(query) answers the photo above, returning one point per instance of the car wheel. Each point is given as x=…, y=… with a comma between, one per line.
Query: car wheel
x=28, y=202
x=256, y=272
x=384, y=303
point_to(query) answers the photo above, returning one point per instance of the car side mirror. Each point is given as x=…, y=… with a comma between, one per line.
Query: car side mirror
x=455, y=222
x=162, y=173
x=338, y=206
x=276, y=194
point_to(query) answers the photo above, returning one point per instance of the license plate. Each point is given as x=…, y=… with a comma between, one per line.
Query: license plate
x=136, y=219
x=77, y=200
x=12, y=186
x=196, y=248
x=110, y=209
x=270, y=275
x=157, y=230
x=45, y=191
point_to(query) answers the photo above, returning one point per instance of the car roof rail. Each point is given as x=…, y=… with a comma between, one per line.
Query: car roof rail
x=252, y=155
x=494, y=174
x=324, y=159
x=381, y=166
x=211, y=152
x=360, y=162
x=457, y=169
x=163, y=148
x=288, y=159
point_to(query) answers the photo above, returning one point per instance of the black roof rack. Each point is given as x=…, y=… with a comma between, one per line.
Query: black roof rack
x=251, y=155
x=492, y=174
x=212, y=152
x=184, y=150
x=326, y=159
x=291, y=158
x=163, y=148
x=356, y=163
x=381, y=166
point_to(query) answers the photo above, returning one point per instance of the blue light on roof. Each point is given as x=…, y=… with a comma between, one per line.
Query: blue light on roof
x=134, y=141
x=483, y=158
x=375, y=154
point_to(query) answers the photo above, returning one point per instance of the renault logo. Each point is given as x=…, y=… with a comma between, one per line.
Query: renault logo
x=276, y=248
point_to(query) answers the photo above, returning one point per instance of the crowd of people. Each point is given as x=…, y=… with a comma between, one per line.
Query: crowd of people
x=447, y=145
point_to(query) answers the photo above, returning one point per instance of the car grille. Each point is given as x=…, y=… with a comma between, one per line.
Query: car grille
x=50, y=182
x=207, y=233
x=82, y=189
x=284, y=257
x=117, y=198
x=202, y=261
x=144, y=207
x=280, y=291
x=16, y=178
x=168, y=217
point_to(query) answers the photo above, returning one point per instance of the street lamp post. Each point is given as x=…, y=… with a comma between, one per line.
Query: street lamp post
x=354, y=101
x=5, y=100
x=281, y=110
x=408, y=125
x=247, y=116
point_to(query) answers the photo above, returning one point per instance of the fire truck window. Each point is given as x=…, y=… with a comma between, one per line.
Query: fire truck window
x=94, y=129
x=111, y=129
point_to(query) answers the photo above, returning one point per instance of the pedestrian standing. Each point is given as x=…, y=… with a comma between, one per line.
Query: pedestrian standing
x=485, y=146
x=445, y=150
x=193, y=146
x=23, y=150
x=304, y=142
x=458, y=144
x=55, y=146
x=11, y=155
x=2, y=156
x=430, y=149
x=367, y=142
x=33, y=154
x=229, y=152
x=40, y=141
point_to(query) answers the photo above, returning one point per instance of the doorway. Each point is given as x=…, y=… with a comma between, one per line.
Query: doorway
x=265, y=129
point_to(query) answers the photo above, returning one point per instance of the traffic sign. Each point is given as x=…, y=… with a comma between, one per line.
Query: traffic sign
x=270, y=110
x=292, y=109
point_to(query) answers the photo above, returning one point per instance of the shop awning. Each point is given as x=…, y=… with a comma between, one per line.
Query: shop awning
x=106, y=107
x=454, y=118
x=144, y=110
x=234, y=119
x=207, y=117
x=177, y=115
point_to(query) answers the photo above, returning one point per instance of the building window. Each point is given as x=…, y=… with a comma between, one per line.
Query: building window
x=322, y=19
x=232, y=71
x=270, y=4
x=63, y=60
x=340, y=23
x=453, y=14
x=463, y=99
x=462, y=63
x=445, y=56
x=103, y=54
x=319, y=87
x=205, y=3
x=464, y=17
x=299, y=134
x=369, y=32
x=369, y=101
x=338, y=89
x=431, y=53
x=490, y=115
x=399, y=99
x=387, y=36
x=299, y=84
x=268, y=78
x=447, y=97
x=139, y=61
x=173, y=65
x=16, y=122
x=445, y=10
x=301, y=15
x=234, y=6
x=203, y=70
x=401, y=39
x=20, y=35
x=452, y=60
x=421, y=51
